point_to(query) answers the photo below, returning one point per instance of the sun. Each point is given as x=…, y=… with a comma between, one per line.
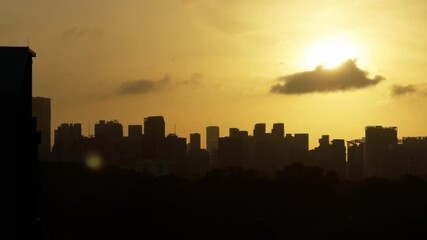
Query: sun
x=330, y=53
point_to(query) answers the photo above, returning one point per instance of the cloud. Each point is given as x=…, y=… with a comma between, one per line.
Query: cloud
x=400, y=90
x=83, y=32
x=143, y=86
x=347, y=76
x=194, y=80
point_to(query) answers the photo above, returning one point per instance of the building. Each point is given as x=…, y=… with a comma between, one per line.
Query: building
x=237, y=150
x=259, y=131
x=135, y=132
x=412, y=156
x=355, y=159
x=108, y=130
x=331, y=156
x=154, y=128
x=212, y=135
x=19, y=150
x=68, y=143
x=278, y=130
x=41, y=110
x=194, y=142
x=380, y=151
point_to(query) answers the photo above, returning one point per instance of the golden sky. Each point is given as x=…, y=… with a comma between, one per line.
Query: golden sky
x=231, y=63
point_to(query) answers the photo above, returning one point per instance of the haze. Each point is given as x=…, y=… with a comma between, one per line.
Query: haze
x=230, y=63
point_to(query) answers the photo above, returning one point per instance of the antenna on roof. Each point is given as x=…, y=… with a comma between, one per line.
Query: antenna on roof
x=28, y=42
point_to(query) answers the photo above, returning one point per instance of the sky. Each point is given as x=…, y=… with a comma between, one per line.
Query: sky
x=320, y=67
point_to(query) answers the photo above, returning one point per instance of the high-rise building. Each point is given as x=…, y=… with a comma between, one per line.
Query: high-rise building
x=301, y=141
x=108, y=130
x=237, y=150
x=41, y=110
x=259, y=131
x=278, y=130
x=19, y=148
x=194, y=141
x=154, y=128
x=212, y=135
x=135, y=131
x=355, y=159
x=380, y=147
x=67, y=145
x=234, y=132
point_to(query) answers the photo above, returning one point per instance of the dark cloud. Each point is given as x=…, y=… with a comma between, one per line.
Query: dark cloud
x=143, y=86
x=83, y=32
x=400, y=90
x=345, y=77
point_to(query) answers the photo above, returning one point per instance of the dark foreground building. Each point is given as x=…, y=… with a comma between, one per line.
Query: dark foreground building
x=19, y=148
x=41, y=108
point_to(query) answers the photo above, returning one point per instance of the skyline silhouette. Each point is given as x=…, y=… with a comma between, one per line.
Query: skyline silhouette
x=276, y=164
x=378, y=153
x=213, y=119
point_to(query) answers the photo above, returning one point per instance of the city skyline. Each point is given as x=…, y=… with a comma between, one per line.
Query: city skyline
x=224, y=132
x=226, y=63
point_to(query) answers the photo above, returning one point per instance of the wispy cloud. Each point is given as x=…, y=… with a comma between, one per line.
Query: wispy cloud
x=345, y=77
x=194, y=79
x=401, y=90
x=143, y=86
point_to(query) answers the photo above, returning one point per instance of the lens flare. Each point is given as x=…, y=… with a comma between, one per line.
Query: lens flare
x=93, y=161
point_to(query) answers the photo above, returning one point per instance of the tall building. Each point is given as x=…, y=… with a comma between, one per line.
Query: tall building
x=259, y=131
x=355, y=159
x=41, y=110
x=237, y=150
x=194, y=141
x=234, y=132
x=19, y=148
x=154, y=128
x=135, y=131
x=301, y=141
x=380, y=148
x=67, y=145
x=108, y=130
x=278, y=130
x=212, y=135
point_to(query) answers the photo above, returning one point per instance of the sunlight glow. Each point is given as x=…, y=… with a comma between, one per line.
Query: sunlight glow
x=330, y=53
x=93, y=161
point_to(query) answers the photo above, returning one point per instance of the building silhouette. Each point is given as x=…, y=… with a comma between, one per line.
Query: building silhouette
x=259, y=131
x=108, y=130
x=412, y=156
x=194, y=142
x=236, y=150
x=330, y=155
x=380, y=151
x=19, y=150
x=68, y=143
x=154, y=128
x=212, y=135
x=135, y=131
x=41, y=110
x=278, y=130
x=355, y=159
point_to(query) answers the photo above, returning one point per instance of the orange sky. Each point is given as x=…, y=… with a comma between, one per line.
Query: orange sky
x=214, y=62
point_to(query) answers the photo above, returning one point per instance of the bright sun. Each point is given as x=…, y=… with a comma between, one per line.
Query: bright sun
x=330, y=53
